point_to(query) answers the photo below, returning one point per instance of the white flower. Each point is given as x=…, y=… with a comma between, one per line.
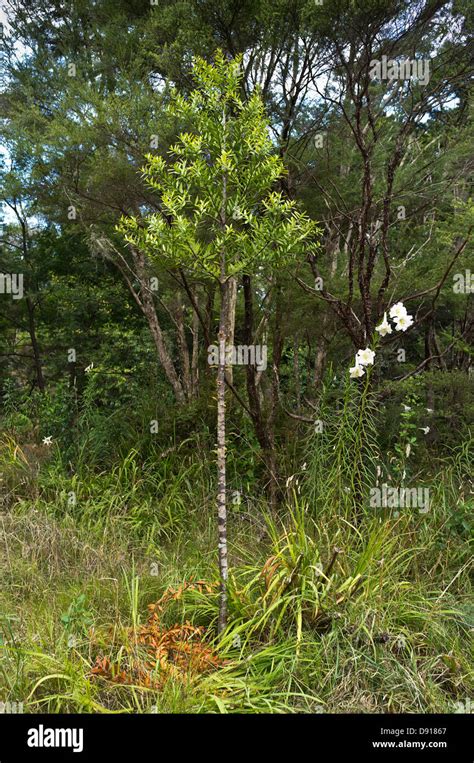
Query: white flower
x=89, y=368
x=356, y=371
x=365, y=357
x=425, y=429
x=406, y=407
x=398, y=311
x=403, y=322
x=48, y=440
x=430, y=410
x=384, y=327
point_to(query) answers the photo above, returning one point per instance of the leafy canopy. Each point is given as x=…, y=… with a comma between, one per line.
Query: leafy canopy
x=217, y=193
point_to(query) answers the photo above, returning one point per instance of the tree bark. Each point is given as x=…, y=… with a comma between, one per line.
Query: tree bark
x=34, y=344
x=221, y=472
x=29, y=303
x=195, y=353
x=145, y=302
x=332, y=250
x=221, y=434
x=231, y=302
x=163, y=354
x=296, y=371
x=183, y=348
x=263, y=431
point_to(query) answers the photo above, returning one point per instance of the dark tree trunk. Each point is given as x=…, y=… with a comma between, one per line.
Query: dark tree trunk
x=263, y=431
x=34, y=344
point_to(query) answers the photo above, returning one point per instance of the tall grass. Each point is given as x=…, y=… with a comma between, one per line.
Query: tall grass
x=331, y=608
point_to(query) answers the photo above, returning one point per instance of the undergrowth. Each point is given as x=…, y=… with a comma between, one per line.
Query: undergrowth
x=110, y=591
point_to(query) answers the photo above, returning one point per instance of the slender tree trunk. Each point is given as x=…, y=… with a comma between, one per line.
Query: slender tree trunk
x=30, y=306
x=183, y=348
x=34, y=344
x=274, y=399
x=221, y=435
x=262, y=430
x=319, y=362
x=231, y=302
x=195, y=354
x=221, y=471
x=145, y=301
x=163, y=354
x=209, y=310
x=296, y=371
x=332, y=249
